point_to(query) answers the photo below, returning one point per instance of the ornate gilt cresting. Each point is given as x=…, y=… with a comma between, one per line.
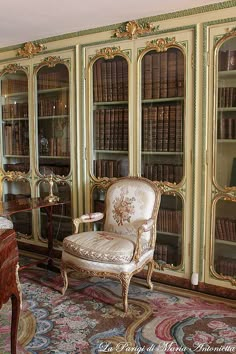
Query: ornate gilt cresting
x=131, y=208
x=161, y=44
x=30, y=49
x=12, y=69
x=52, y=61
x=133, y=29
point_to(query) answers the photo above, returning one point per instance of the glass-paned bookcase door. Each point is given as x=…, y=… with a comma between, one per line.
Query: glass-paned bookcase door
x=226, y=116
x=224, y=248
x=110, y=123
x=162, y=115
x=162, y=142
x=15, y=120
x=61, y=214
x=53, y=118
x=224, y=208
x=168, y=249
x=22, y=221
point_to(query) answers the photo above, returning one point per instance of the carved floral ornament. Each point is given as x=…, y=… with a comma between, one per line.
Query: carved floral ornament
x=161, y=44
x=229, y=33
x=30, y=49
x=12, y=68
x=133, y=29
x=108, y=52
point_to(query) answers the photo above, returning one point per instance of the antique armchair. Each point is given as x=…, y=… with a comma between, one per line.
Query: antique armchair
x=126, y=244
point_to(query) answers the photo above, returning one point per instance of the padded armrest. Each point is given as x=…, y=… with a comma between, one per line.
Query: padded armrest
x=145, y=226
x=91, y=217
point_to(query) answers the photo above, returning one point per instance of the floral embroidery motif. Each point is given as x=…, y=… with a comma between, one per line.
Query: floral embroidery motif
x=123, y=209
x=105, y=235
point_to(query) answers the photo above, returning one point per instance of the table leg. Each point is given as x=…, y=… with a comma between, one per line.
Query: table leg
x=15, y=301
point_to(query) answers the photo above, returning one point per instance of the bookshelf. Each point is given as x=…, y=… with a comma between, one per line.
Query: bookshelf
x=135, y=114
x=163, y=102
x=223, y=229
x=110, y=116
x=36, y=139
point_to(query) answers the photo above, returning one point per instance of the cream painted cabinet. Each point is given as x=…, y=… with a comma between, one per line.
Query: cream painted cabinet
x=221, y=187
x=37, y=139
x=139, y=121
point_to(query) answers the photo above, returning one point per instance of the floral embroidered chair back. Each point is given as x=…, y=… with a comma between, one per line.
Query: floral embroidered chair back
x=128, y=203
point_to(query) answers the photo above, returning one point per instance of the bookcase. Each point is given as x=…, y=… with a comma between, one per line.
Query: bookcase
x=222, y=149
x=36, y=115
x=136, y=125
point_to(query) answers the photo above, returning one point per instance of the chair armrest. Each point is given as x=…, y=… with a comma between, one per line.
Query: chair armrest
x=91, y=217
x=146, y=225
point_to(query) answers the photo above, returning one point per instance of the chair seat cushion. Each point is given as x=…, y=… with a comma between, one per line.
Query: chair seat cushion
x=101, y=246
x=5, y=223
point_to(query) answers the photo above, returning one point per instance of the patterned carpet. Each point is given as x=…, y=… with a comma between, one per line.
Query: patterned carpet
x=89, y=319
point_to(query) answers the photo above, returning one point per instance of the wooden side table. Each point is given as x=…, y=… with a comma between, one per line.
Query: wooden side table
x=9, y=281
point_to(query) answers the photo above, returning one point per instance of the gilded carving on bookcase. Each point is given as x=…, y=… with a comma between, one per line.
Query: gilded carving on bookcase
x=133, y=29
x=12, y=69
x=161, y=44
x=30, y=49
x=11, y=176
x=108, y=52
x=52, y=61
x=221, y=276
x=170, y=188
x=221, y=38
x=102, y=183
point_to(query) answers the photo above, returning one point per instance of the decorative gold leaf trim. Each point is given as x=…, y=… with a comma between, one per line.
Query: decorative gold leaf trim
x=51, y=61
x=222, y=277
x=133, y=29
x=12, y=68
x=161, y=44
x=30, y=49
x=15, y=176
x=108, y=52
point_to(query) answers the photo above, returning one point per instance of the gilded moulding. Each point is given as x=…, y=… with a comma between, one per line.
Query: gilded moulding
x=133, y=29
x=161, y=44
x=108, y=53
x=52, y=61
x=229, y=33
x=213, y=272
x=30, y=49
x=11, y=176
x=12, y=68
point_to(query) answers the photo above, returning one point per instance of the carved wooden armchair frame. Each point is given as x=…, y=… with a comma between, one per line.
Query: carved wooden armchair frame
x=75, y=258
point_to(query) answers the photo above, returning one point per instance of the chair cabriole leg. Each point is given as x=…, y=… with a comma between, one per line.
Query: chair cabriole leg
x=125, y=280
x=149, y=274
x=64, y=277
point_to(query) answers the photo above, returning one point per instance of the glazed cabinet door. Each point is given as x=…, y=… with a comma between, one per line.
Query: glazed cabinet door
x=109, y=139
x=165, y=139
x=53, y=98
x=221, y=207
x=15, y=141
x=38, y=139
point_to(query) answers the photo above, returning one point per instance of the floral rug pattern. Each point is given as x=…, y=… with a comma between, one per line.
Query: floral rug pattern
x=89, y=319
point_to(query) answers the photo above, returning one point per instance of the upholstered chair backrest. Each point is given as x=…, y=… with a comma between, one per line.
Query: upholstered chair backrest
x=129, y=202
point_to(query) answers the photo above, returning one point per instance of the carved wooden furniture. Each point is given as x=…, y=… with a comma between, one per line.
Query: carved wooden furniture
x=9, y=282
x=23, y=204
x=127, y=241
